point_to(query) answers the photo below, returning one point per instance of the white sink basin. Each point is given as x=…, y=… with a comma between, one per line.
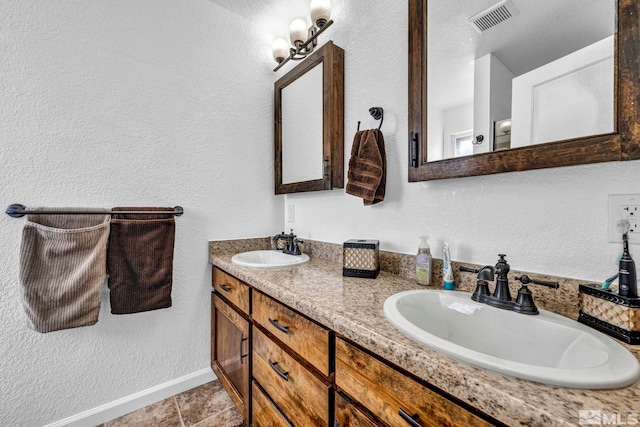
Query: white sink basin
x=268, y=259
x=547, y=348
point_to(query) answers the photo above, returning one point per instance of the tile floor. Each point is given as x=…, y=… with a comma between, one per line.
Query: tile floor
x=205, y=406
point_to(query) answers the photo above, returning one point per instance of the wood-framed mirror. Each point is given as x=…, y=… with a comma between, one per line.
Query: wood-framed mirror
x=622, y=143
x=309, y=124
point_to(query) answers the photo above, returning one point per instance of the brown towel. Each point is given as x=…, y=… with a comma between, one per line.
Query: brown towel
x=367, y=176
x=62, y=267
x=140, y=260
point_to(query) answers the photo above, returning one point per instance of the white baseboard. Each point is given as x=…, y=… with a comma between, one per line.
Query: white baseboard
x=117, y=408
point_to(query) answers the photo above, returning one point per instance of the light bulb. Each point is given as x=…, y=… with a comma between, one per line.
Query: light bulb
x=280, y=48
x=298, y=31
x=320, y=12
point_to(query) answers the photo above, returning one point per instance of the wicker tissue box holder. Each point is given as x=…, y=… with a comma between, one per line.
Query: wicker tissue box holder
x=360, y=258
x=610, y=313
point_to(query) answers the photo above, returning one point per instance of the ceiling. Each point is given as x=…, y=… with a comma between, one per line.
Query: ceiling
x=544, y=30
x=273, y=16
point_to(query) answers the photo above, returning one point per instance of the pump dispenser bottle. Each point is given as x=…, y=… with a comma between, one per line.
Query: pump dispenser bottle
x=423, y=262
x=627, y=281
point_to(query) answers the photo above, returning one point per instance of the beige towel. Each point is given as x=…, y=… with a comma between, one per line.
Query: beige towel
x=62, y=266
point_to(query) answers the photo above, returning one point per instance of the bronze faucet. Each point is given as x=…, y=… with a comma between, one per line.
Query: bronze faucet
x=291, y=246
x=501, y=297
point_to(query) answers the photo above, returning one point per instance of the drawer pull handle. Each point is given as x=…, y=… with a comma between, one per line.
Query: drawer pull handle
x=278, y=326
x=225, y=287
x=283, y=375
x=412, y=421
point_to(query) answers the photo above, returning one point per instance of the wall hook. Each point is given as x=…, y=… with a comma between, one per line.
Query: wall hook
x=378, y=114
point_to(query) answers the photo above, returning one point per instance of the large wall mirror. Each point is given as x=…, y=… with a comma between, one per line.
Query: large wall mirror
x=499, y=86
x=309, y=124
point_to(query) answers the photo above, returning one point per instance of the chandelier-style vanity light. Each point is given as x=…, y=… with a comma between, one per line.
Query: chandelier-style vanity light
x=303, y=38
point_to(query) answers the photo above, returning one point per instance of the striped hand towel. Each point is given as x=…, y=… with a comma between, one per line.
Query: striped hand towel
x=62, y=266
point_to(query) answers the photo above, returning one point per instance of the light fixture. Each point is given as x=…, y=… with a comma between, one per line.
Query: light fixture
x=303, y=37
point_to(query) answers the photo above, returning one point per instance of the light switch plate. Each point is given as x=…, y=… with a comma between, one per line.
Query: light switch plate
x=624, y=206
x=291, y=213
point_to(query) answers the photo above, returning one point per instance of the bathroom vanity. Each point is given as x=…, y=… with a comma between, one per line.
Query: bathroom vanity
x=306, y=346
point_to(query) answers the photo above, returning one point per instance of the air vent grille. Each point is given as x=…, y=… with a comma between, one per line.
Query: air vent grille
x=493, y=16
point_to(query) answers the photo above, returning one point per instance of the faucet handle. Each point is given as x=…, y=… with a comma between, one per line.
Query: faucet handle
x=484, y=273
x=502, y=267
x=524, y=300
x=526, y=280
x=295, y=249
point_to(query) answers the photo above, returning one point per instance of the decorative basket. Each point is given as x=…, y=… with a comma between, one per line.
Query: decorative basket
x=360, y=258
x=610, y=313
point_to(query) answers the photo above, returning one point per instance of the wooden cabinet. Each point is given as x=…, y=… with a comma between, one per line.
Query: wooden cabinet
x=231, y=289
x=291, y=362
x=347, y=415
x=302, y=397
x=282, y=369
x=393, y=397
x=230, y=349
x=306, y=338
x=265, y=413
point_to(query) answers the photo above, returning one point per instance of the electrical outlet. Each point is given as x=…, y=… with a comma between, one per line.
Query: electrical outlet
x=291, y=213
x=624, y=206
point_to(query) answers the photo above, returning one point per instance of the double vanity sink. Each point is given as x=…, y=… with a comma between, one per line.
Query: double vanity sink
x=443, y=337
x=546, y=348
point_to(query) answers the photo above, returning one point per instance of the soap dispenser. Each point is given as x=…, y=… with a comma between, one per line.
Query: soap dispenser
x=423, y=262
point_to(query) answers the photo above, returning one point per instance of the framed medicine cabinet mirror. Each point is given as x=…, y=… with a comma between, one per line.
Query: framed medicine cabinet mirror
x=547, y=84
x=309, y=124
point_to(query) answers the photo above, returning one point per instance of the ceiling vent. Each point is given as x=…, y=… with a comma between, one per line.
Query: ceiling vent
x=492, y=16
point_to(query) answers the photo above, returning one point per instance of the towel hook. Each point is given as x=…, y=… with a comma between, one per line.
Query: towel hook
x=377, y=113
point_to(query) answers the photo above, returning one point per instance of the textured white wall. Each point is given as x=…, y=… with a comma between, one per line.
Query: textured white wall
x=104, y=103
x=550, y=221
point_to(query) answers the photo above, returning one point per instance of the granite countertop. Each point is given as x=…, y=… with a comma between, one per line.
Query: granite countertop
x=352, y=307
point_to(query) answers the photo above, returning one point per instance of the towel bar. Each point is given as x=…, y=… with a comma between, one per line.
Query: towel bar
x=18, y=211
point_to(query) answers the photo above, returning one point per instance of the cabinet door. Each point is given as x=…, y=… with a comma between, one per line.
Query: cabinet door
x=229, y=352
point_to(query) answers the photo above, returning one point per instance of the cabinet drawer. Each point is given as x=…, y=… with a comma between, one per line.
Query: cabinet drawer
x=264, y=412
x=348, y=416
x=308, y=339
x=231, y=289
x=301, y=396
x=392, y=396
